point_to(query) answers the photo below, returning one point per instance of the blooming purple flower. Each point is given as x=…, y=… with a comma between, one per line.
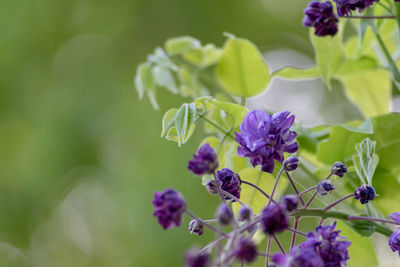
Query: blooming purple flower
x=291, y=163
x=394, y=241
x=289, y=203
x=273, y=219
x=169, y=207
x=365, y=193
x=396, y=215
x=304, y=257
x=196, y=227
x=205, y=161
x=196, y=259
x=339, y=169
x=324, y=187
x=244, y=214
x=320, y=15
x=229, y=182
x=345, y=7
x=224, y=214
x=331, y=247
x=264, y=138
x=246, y=251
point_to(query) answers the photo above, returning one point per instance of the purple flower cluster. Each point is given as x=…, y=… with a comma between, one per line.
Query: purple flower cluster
x=339, y=168
x=394, y=240
x=229, y=182
x=274, y=219
x=365, y=193
x=169, y=207
x=265, y=138
x=205, y=161
x=323, y=248
x=246, y=251
x=345, y=7
x=324, y=187
x=321, y=16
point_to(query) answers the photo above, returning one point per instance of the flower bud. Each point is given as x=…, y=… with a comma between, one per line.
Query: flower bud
x=324, y=187
x=211, y=187
x=394, y=241
x=224, y=214
x=244, y=214
x=246, y=251
x=365, y=193
x=196, y=259
x=291, y=163
x=230, y=182
x=273, y=219
x=205, y=161
x=289, y=203
x=339, y=169
x=196, y=227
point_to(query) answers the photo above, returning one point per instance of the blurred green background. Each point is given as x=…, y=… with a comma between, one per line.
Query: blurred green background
x=80, y=155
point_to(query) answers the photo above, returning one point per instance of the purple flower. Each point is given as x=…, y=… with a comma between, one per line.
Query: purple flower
x=205, y=161
x=169, y=206
x=331, y=247
x=246, y=251
x=212, y=187
x=289, y=203
x=224, y=214
x=301, y=257
x=265, y=138
x=273, y=219
x=291, y=163
x=396, y=215
x=324, y=187
x=365, y=193
x=320, y=15
x=345, y=7
x=339, y=169
x=244, y=214
x=196, y=227
x=196, y=259
x=394, y=241
x=229, y=181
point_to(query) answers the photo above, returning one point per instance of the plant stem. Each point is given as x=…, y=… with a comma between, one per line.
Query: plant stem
x=216, y=126
x=267, y=252
x=360, y=218
x=392, y=65
x=295, y=188
x=397, y=11
x=296, y=232
x=279, y=244
x=275, y=185
x=296, y=225
x=337, y=202
x=307, y=190
x=233, y=197
x=310, y=200
x=259, y=189
x=205, y=224
x=369, y=17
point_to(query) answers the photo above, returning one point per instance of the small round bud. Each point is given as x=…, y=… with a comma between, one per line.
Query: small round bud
x=339, y=169
x=211, y=187
x=244, y=214
x=365, y=193
x=224, y=214
x=324, y=187
x=394, y=241
x=289, y=203
x=230, y=182
x=196, y=259
x=196, y=227
x=273, y=219
x=205, y=161
x=291, y=163
x=246, y=251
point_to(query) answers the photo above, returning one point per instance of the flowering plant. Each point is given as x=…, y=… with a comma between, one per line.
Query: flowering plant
x=271, y=173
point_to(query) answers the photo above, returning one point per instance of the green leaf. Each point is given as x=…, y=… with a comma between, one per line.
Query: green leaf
x=371, y=90
x=330, y=55
x=179, y=45
x=366, y=160
x=296, y=73
x=361, y=251
x=357, y=66
x=363, y=228
x=168, y=121
x=241, y=70
x=190, y=85
x=164, y=78
x=160, y=58
x=203, y=56
x=236, y=113
x=185, y=122
x=341, y=142
x=144, y=83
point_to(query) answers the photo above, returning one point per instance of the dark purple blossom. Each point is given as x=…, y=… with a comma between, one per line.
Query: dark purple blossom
x=196, y=259
x=273, y=219
x=265, y=138
x=205, y=161
x=345, y=7
x=229, y=182
x=211, y=187
x=291, y=163
x=321, y=16
x=298, y=257
x=224, y=214
x=339, y=169
x=169, y=207
x=324, y=187
x=394, y=241
x=289, y=202
x=246, y=251
x=196, y=227
x=395, y=216
x=244, y=214
x=331, y=247
x=365, y=193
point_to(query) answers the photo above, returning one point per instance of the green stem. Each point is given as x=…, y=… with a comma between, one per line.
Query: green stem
x=392, y=65
x=217, y=126
x=397, y=11
x=339, y=215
